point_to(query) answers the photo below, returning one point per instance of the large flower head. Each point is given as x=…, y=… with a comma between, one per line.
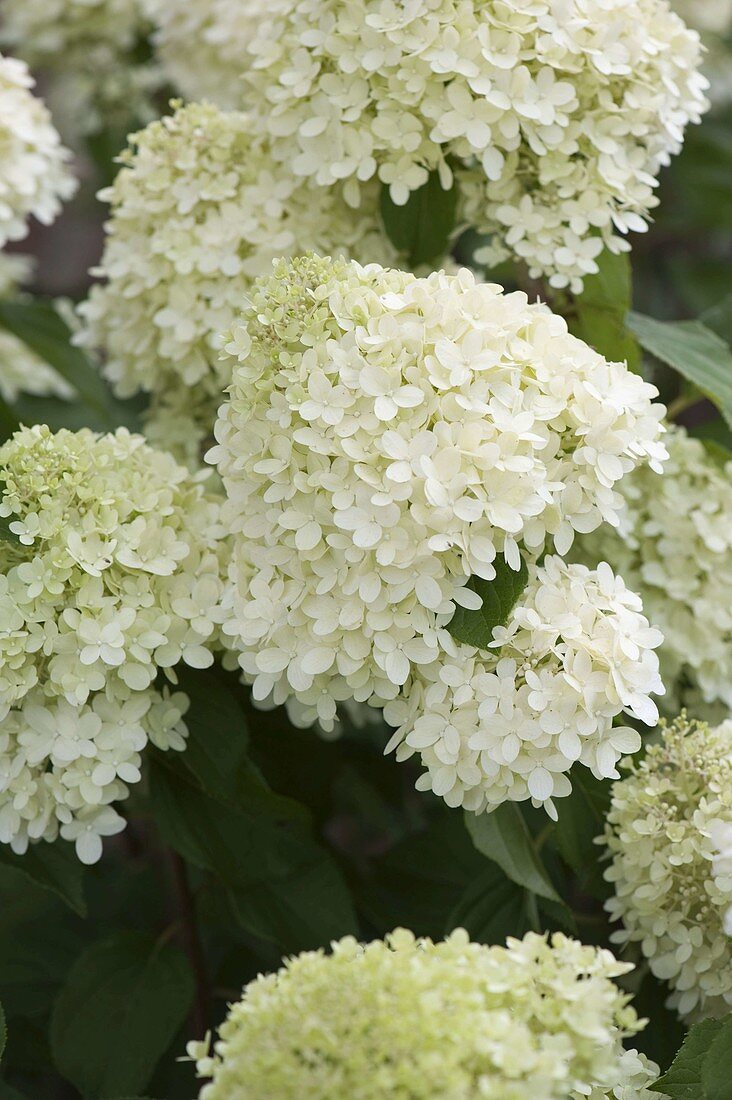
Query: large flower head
x=386, y=437
x=34, y=178
x=88, y=49
x=409, y=1017
x=21, y=370
x=508, y=724
x=674, y=547
x=554, y=116
x=221, y=31
x=112, y=577
x=199, y=210
x=667, y=831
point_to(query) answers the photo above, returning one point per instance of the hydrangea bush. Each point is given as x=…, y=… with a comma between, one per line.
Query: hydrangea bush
x=364, y=496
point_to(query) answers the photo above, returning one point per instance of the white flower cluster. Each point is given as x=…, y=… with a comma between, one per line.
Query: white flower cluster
x=666, y=825
x=674, y=547
x=387, y=437
x=21, y=370
x=507, y=725
x=114, y=576
x=554, y=116
x=221, y=31
x=199, y=210
x=407, y=1017
x=34, y=176
x=87, y=48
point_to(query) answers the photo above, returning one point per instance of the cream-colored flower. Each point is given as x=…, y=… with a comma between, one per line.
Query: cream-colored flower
x=386, y=437
x=408, y=1017
x=116, y=579
x=668, y=822
x=674, y=547
x=199, y=209
x=555, y=117
x=34, y=173
x=89, y=53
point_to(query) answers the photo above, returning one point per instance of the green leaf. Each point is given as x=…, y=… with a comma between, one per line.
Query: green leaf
x=499, y=599
x=3, y=1031
x=716, y=1072
x=123, y=1002
x=719, y=319
x=581, y=819
x=7, y=1092
x=601, y=309
x=421, y=229
x=692, y=349
x=490, y=909
x=503, y=836
x=9, y=422
x=41, y=328
x=684, y=1079
x=55, y=867
x=285, y=887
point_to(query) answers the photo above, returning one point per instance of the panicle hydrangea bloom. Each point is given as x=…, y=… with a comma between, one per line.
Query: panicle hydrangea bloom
x=199, y=210
x=721, y=834
x=387, y=437
x=674, y=547
x=114, y=577
x=221, y=31
x=673, y=890
x=409, y=1017
x=21, y=370
x=34, y=176
x=509, y=724
x=555, y=116
x=87, y=47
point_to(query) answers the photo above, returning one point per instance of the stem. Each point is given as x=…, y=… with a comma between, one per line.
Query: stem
x=191, y=941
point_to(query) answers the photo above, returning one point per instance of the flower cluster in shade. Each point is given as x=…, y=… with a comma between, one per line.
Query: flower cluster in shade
x=89, y=52
x=199, y=210
x=674, y=547
x=21, y=370
x=35, y=176
x=385, y=438
x=221, y=31
x=553, y=118
x=508, y=724
x=668, y=834
x=110, y=575
x=409, y=1017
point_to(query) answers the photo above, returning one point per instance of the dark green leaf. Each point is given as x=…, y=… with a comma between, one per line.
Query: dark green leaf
x=9, y=422
x=285, y=887
x=684, y=1079
x=3, y=1031
x=499, y=598
x=40, y=327
x=421, y=229
x=503, y=837
x=716, y=1073
x=7, y=1092
x=719, y=319
x=601, y=309
x=55, y=867
x=491, y=908
x=692, y=349
x=124, y=1000
x=581, y=819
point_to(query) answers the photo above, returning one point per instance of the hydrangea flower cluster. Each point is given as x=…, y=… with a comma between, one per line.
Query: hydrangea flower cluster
x=114, y=577
x=510, y=723
x=199, y=210
x=555, y=118
x=674, y=546
x=20, y=368
x=409, y=1017
x=88, y=48
x=35, y=177
x=721, y=834
x=673, y=888
x=221, y=30
x=385, y=438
